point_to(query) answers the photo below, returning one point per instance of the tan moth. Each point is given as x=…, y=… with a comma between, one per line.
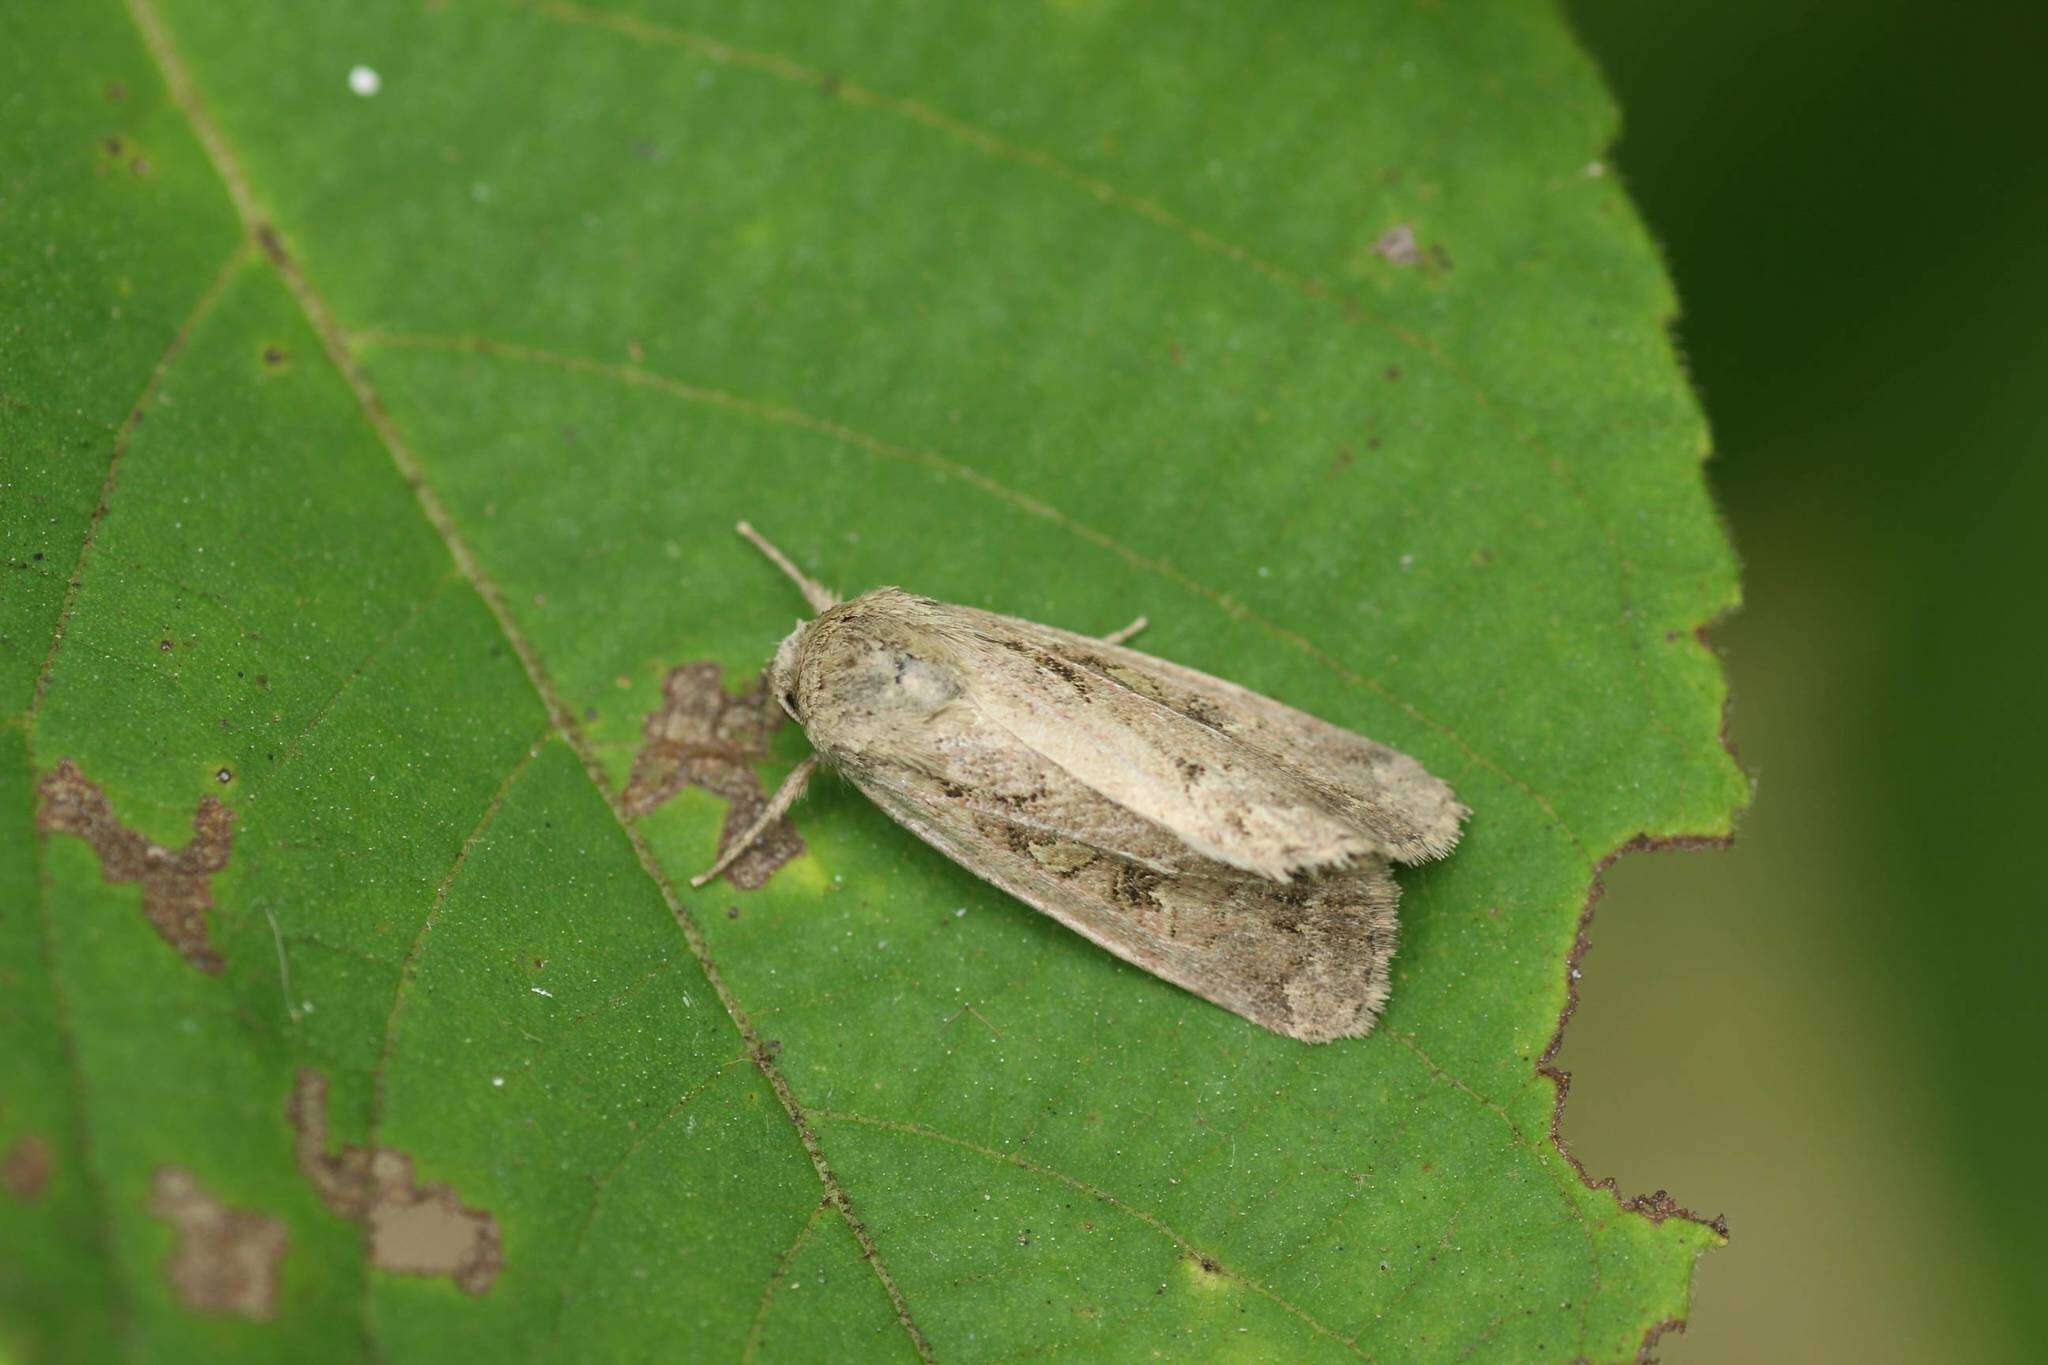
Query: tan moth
x=1214, y=837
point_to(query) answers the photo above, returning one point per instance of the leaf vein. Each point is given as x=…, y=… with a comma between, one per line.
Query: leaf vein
x=751, y=1350
x=1097, y=1192
x=97, y=1193
x=604, y=1181
x=122, y=439
x=409, y=969
x=1564, y=1191
x=319, y=717
x=156, y=36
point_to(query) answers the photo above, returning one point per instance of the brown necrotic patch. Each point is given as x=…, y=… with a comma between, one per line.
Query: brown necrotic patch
x=413, y=1229
x=225, y=1259
x=25, y=1167
x=177, y=893
x=1398, y=245
x=705, y=737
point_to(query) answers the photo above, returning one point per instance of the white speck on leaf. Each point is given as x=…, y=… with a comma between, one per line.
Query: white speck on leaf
x=364, y=81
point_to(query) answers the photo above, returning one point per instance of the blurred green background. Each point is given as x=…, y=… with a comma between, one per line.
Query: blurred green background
x=1833, y=1032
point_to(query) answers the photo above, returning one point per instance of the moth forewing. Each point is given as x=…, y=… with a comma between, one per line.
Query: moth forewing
x=1224, y=798
x=1414, y=816
x=1212, y=836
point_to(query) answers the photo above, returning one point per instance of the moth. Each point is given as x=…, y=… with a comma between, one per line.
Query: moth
x=1214, y=837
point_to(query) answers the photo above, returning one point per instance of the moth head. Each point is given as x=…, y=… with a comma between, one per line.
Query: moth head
x=782, y=673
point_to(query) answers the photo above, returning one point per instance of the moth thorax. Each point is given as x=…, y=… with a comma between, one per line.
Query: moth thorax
x=920, y=684
x=859, y=664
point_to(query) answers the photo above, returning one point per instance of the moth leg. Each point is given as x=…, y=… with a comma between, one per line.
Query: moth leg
x=1117, y=637
x=786, y=795
x=817, y=594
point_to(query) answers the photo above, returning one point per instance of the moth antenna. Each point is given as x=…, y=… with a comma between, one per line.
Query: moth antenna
x=817, y=594
x=786, y=795
x=1117, y=637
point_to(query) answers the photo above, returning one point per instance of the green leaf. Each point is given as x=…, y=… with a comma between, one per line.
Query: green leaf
x=371, y=459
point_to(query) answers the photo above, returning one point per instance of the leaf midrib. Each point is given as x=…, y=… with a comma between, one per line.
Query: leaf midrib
x=163, y=51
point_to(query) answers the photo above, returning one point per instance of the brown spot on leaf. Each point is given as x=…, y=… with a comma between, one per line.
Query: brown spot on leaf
x=176, y=884
x=272, y=244
x=1398, y=245
x=413, y=1229
x=226, y=1259
x=702, y=736
x=25, y=1167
